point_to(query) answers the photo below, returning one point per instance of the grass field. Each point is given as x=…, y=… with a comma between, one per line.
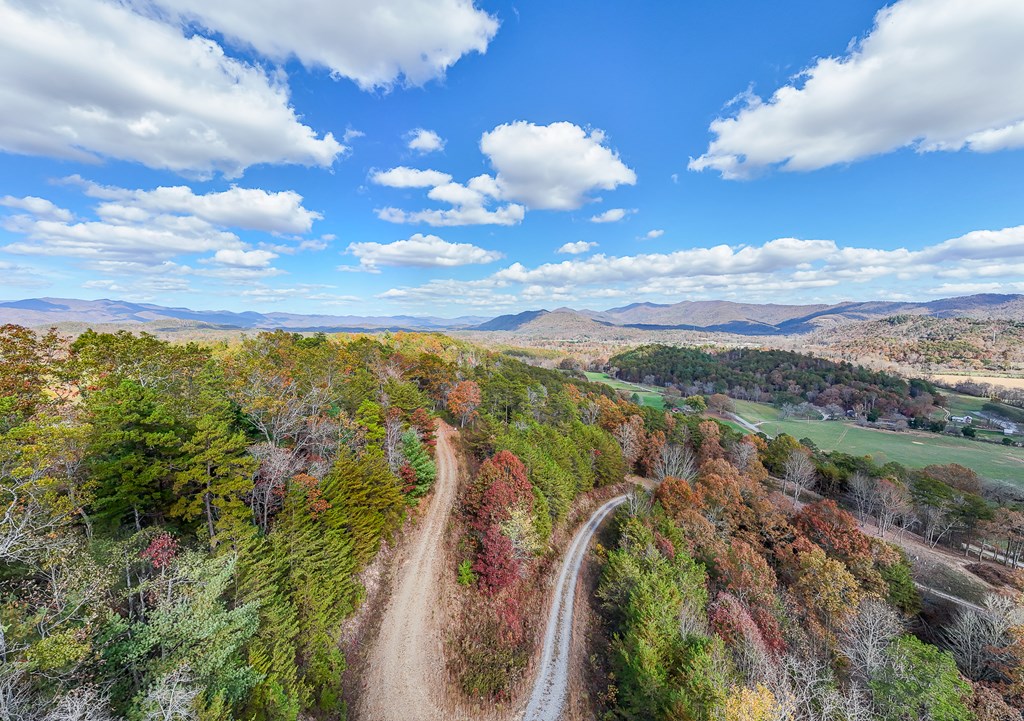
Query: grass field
x=647, y=398
x=999, y=463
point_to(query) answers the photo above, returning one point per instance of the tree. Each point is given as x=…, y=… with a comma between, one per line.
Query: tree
x=216, y=477
x=798, y=472
x=867, y=637
x=133, y=450
x=676, y=461
x=463, y=400
x=864, y=491
x=919, y=683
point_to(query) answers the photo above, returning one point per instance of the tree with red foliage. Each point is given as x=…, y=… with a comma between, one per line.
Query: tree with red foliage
x=463, y=400
x=501, y=487
x=832, y=528
x=424, y=423
x=161, y=551
x=495, y=564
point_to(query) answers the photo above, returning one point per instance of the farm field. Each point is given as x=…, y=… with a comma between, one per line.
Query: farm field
x=912, y=449
x=953, y=379
x=647, y=397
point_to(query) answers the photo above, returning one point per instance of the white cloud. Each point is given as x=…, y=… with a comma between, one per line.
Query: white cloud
x=374, y=43
x=403, y=177
x=250, y=208
x=38, y=207
x=261, y=293
x=244, y=258
x=474, y=293
x=613, y=215
x=21, y=276
x=931, y=75
x=652, y=234
x=425, y=141
x=507, y=215
x=469, y=202
x=552, y=167
x=91, y=80
x=421, y=251
x=351, y=134
x=580, y=246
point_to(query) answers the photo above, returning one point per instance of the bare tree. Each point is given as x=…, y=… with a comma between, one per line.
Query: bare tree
x=81, y=704
x=893, y=503
x=393, y=439
x=277, y=465
x=638, y=502
x=630, y=436
x=979, y=640
x=798, y=472
x=864, y=492
x=589, y=412
x=867, y=637
x=675, y=461
x=171, y=698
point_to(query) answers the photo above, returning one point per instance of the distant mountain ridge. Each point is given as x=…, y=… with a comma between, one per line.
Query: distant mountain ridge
x=704, y=315
x=769, y=319
x=48, y=311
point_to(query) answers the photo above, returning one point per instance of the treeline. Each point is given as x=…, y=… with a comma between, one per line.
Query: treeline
x=768, y=376
x=722, y=599
x=182, y=527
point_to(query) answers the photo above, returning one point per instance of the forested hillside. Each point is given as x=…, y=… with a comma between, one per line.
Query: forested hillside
x=771, y=376
x=184, y=528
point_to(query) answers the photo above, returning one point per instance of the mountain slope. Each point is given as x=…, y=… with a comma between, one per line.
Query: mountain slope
x=48, y=311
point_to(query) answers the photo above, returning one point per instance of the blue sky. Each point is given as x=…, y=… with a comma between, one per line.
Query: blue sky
x=451, y=158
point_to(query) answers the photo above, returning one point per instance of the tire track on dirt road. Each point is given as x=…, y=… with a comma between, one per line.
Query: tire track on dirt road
x=405, y=677
x=552, y=685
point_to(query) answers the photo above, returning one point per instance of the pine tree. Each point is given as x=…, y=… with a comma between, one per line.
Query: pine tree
x=133, y=449
x=216, y=476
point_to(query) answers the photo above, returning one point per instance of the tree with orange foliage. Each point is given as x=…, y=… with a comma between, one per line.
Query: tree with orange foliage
x=832, y=528
x=710, y=442
x=463, y=400
x=744, y=573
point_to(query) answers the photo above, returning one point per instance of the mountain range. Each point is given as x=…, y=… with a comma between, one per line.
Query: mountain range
x=709, y=316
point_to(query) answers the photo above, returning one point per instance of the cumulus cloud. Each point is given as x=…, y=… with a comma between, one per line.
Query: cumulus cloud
x=93, y=80
x=421, y=251
x=931, y=75
x=403, y=177
x=580, y=246
x=652, y=234
x=146, y=237
x=39, y=207
x=552, y=167
x=425, y=141
x=376, y=44
x=249, y=208
x=244, y=258
x=471, y=203
x=613, y=215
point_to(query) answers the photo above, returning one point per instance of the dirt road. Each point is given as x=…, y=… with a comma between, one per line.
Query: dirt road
x=550, y=688
x=405, y=678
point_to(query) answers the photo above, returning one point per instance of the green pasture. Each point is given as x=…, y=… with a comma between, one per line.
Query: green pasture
x=647, y=398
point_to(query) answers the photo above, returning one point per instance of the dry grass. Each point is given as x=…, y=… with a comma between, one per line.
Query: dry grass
x=953, y=379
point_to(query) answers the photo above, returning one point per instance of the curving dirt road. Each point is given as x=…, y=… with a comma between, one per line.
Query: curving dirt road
x=405, y=677
x=551, y=687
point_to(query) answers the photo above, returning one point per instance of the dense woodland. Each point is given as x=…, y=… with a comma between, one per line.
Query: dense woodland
x=772, y=376
x=183, y=529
